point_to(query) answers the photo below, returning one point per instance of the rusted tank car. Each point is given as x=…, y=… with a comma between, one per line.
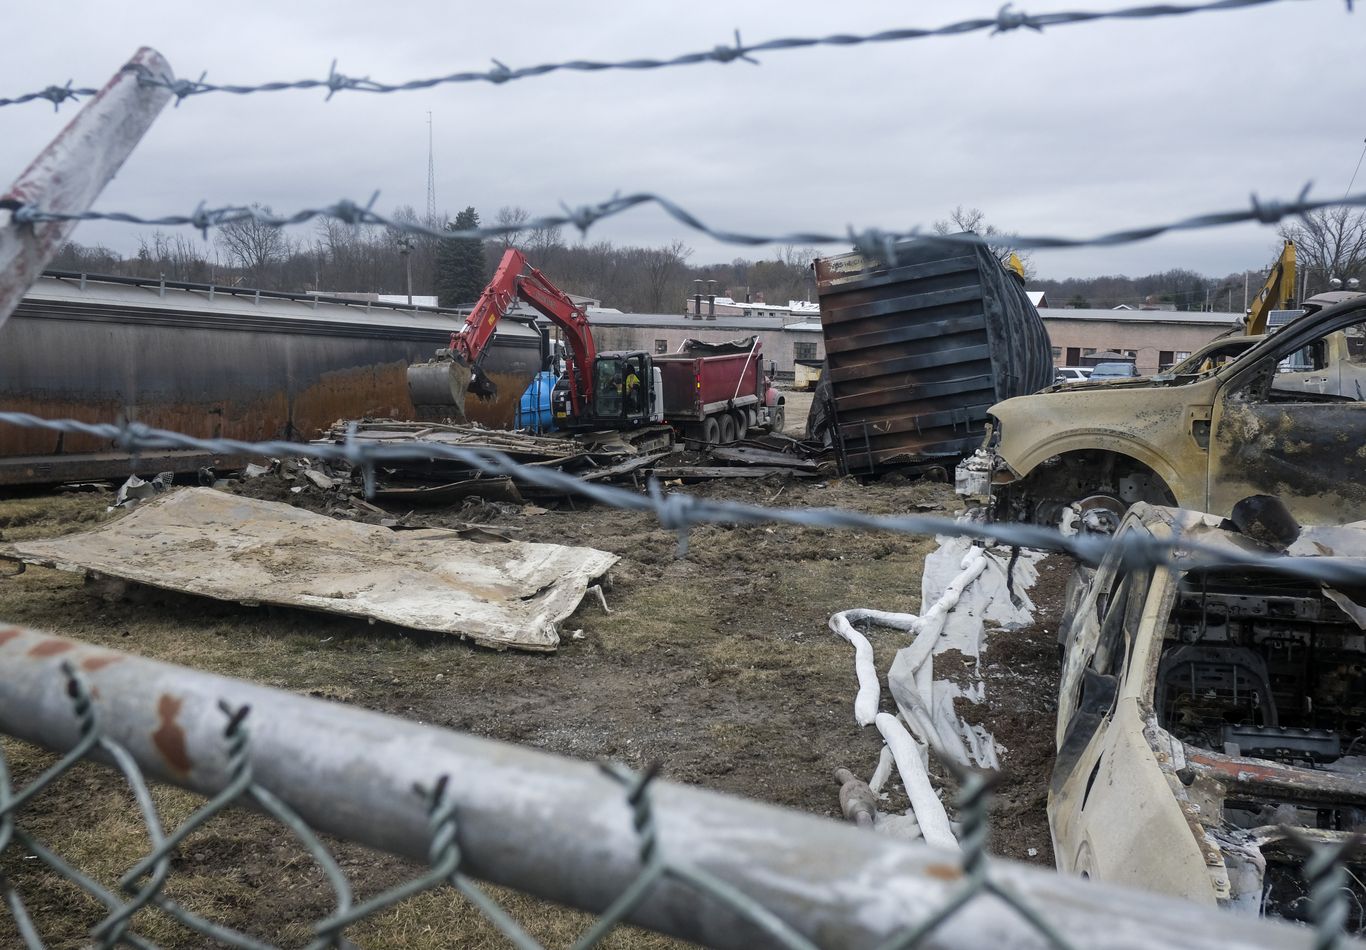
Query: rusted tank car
x=215, y=362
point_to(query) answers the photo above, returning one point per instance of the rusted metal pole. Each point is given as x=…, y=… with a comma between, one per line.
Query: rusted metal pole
x=69, y=174
x=561, y=829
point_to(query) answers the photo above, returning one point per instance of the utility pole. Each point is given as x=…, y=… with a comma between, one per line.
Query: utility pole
x=405, y=250
x=1245, y=273
x=431, y=182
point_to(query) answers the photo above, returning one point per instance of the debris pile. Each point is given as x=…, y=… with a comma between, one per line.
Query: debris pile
x=599, y=456
x=613, y=456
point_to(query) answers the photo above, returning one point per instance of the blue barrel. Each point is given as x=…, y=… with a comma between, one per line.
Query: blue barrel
x=533, y=411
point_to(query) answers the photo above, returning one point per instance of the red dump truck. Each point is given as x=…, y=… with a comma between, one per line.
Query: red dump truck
x=717, y=392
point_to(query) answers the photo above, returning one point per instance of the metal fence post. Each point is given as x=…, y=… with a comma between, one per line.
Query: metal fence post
x=69, y=174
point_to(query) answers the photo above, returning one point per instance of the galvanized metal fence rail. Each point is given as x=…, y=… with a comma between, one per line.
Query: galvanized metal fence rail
x=628, y=847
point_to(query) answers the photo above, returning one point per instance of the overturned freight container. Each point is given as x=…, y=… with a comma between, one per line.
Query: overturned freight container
x=918, y=349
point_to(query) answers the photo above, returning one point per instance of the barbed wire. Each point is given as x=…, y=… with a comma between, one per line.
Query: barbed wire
x=1006, y=20
x=681, y=512
x=873, y=241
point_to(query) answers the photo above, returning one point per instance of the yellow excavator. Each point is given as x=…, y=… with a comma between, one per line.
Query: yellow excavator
x=1276, y=294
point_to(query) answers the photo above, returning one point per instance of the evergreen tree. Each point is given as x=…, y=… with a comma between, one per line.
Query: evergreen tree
x=461, y=268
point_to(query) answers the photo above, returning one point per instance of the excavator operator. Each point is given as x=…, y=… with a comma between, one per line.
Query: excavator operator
x=632, y=389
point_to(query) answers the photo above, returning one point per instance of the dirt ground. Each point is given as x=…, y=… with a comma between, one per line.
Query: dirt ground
x=717, y=666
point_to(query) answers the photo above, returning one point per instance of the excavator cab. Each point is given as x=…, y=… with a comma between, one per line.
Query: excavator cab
x=624, y=390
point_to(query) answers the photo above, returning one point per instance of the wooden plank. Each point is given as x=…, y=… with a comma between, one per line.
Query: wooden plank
x=621, y=468
x=749, y=456
x=703, y=471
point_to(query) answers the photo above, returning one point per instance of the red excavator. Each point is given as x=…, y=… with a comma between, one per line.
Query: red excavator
x=713, y=393
x=598, y=390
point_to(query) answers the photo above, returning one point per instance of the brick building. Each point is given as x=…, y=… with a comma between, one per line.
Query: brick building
x=1154, y=339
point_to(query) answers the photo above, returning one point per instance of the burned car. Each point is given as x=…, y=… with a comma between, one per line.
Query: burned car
x=1286, y=418
x=1212, y=719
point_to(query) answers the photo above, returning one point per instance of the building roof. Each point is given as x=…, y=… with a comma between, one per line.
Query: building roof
x=1194, y=317
x=674, y=321
x=793, y=307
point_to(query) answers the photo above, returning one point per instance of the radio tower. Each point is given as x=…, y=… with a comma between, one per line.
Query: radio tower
x=431, y=177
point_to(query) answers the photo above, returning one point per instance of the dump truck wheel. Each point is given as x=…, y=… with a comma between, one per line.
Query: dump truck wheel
x=741, y=418
x=727, y=424
x=777, y=419
x=711, y=431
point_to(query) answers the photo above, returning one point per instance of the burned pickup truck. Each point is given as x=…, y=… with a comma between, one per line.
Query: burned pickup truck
x=1212, y=720
x=1286, y=418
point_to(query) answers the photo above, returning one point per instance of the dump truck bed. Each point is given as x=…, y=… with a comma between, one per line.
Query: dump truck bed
x=697, y=385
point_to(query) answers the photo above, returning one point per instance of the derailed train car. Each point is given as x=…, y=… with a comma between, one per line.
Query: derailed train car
x=215, y=362
x=918, y=349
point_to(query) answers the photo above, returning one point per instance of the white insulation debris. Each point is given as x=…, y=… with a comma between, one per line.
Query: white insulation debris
x=966, y=588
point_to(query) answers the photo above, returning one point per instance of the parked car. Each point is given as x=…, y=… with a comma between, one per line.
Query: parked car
x=1113, y=371
x=1072, y=374
x=1206, y=717
x=1286, y=418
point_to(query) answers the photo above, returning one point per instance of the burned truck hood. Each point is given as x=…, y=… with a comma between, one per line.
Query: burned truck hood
x=1137, y=419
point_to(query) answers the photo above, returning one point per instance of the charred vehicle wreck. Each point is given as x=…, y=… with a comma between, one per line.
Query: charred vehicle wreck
x=1287, y=417
x=1212, y=720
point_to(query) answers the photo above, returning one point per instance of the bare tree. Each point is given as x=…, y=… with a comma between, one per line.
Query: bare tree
x=257, y=248
x=174, y=256
x=998, y=242
x=663, y=267
x=1329, y=242
x=543, y=246
x=511, y=216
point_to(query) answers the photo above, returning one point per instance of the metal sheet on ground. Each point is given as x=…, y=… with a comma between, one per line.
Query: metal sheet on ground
x=205, y=542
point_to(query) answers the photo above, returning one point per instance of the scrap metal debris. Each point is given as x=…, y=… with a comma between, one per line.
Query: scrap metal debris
x=209, y=543
x=135, y=489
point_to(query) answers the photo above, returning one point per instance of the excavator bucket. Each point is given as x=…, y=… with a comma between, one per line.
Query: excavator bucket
x=438, y=389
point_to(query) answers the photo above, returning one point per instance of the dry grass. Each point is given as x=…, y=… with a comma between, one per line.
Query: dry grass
x=47, y=516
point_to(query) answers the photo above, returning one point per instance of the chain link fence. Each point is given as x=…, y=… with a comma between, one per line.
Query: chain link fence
x=623, y=845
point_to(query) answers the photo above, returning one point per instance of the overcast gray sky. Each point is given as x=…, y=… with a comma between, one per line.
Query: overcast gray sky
x=1078, y=130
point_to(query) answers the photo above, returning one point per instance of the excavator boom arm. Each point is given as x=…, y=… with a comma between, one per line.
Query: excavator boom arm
x=470, y=340
x=536, y=289
x=1276, y=293
x=510, y=283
